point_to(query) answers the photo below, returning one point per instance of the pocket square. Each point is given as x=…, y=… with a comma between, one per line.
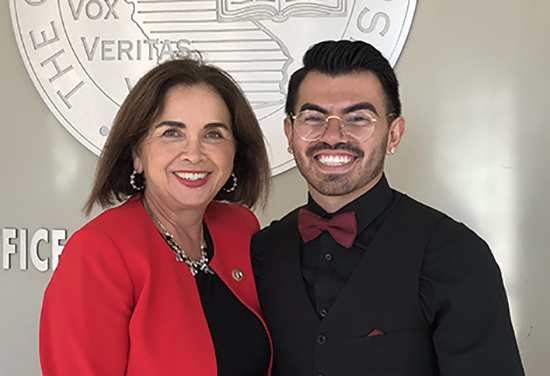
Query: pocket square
x=375, y=332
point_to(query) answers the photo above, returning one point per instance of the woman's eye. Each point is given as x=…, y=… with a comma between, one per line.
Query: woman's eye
x=214, y=135
x=171, y=133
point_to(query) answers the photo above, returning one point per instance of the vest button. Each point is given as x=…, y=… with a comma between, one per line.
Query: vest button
x=323, y=313
x=328, y=257
x=321, y=339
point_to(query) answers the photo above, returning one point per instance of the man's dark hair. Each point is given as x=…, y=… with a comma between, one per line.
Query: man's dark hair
x=336, y=58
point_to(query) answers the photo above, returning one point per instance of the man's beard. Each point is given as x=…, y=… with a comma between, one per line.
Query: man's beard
x=340, y=184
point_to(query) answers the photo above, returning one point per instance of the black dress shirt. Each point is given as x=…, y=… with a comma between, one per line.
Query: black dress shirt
x=327, y=265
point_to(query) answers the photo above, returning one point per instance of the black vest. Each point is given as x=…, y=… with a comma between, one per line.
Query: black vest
x=382, y=293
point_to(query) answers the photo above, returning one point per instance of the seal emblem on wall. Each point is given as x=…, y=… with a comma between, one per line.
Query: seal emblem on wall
x=85, y=55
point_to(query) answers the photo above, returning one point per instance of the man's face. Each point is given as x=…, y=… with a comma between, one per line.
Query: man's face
x=335, y=165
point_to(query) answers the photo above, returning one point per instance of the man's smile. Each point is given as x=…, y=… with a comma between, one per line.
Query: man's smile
x=342, y=154
x=334, y=160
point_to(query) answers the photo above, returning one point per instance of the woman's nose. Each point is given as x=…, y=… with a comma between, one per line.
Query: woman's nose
x=193, y=151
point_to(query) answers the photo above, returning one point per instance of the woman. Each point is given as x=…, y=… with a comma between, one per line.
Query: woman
x=162, y=285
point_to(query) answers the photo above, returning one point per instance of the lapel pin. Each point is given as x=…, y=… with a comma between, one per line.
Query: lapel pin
x=237, y=274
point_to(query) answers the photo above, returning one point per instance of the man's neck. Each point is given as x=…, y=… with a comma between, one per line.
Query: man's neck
x=332, y=204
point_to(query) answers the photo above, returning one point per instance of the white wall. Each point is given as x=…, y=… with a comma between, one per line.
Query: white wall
x=475, y=85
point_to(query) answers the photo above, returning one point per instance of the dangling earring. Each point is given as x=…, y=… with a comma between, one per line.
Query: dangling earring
x=234, y=184
x=133, y=181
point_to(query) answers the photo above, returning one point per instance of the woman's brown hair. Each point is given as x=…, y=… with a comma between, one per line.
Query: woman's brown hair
x=145, y=102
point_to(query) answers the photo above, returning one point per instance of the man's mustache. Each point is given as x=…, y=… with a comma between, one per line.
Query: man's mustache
x=313, y=149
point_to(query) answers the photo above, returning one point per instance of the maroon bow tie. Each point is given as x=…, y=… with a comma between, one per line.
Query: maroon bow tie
x=342, y=227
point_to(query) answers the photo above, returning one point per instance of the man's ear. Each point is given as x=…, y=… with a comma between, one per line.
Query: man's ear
x=396, y=131
x=289, y=132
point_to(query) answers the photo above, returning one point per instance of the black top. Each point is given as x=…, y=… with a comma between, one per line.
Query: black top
x=240, y=340
x=461, y=293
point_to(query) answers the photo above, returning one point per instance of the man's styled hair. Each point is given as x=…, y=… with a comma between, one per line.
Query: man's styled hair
x=336, y=58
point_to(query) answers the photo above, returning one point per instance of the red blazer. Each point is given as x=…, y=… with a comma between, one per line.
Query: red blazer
x=119, y=304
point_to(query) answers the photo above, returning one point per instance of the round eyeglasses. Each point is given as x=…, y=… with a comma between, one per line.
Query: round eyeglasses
x=357, y=126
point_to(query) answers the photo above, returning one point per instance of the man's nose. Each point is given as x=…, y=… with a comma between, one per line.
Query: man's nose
x=333, y=133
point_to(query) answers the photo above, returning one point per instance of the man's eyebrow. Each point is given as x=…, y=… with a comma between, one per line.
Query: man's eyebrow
x=361, y=106
x=169, y=123
x=313, y=107
x=354, y=107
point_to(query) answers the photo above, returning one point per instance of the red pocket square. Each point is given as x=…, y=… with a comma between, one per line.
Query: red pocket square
x=376, y=332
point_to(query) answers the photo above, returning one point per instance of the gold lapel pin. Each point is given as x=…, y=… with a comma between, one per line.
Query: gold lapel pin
x=237, y=274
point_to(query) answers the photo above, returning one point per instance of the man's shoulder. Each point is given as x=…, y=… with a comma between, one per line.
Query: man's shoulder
x=279, y=227
x=416, y=207
x=448, y=229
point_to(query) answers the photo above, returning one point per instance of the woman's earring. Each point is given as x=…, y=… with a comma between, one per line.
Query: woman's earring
x=392, y=151
x=229, y=190
x=133, y=181
x=290, y=150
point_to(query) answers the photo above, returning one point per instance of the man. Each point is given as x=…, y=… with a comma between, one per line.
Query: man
x=363, y=280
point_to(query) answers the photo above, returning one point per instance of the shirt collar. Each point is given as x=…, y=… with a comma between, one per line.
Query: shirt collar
x=366, y=207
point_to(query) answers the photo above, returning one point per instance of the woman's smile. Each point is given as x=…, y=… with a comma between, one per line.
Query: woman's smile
x=187, y=157
x=193, y=179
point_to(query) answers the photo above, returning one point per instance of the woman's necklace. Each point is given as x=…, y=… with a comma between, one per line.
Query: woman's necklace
x=194, y=266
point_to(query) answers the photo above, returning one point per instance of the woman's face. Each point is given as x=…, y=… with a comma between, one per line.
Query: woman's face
x=188, y=154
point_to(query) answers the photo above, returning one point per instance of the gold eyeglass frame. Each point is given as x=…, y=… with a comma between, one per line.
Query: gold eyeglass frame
x=342, y=125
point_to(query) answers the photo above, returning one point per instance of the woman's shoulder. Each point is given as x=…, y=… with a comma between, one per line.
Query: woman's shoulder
x=230, y=210
x=231, y=215
x=125, y=223
x=126, y=214
x=124, y=230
